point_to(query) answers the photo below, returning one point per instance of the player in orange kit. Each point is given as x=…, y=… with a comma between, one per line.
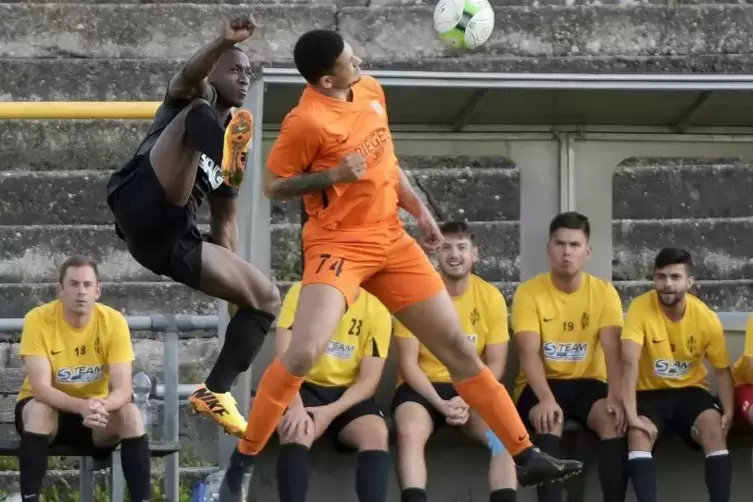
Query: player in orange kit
x=335, y=149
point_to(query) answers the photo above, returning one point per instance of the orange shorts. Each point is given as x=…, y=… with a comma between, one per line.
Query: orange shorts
x=391, y=266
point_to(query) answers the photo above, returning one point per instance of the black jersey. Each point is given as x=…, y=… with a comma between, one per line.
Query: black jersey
x=208, y=175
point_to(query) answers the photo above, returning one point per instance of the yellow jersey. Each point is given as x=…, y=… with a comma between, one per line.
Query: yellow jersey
x=742, y=370
x=364, y=331
x=79, y=358
x=673, y=352
x=568, y=324
x=482, y=312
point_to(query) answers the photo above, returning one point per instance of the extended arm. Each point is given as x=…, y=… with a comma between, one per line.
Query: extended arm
x=409, y=200
x=190, y=81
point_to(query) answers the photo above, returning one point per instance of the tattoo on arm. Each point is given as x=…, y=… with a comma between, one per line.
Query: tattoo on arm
x=301, y=184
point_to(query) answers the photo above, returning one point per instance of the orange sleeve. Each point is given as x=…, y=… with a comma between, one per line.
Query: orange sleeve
x=295, y=147
x=380, y=90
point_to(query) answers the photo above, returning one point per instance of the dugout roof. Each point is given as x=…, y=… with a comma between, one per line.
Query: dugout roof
x=459, y=100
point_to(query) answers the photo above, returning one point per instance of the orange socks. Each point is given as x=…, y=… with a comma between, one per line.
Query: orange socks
x=276, y=390
x=491, y=400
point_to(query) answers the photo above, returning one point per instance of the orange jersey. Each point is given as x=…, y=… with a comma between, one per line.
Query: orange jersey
x=318, y=133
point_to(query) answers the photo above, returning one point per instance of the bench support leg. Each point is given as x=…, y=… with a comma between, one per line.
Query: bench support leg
x=86, y=479
x=117, y=482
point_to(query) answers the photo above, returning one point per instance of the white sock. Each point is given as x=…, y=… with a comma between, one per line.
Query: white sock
x=634, y=455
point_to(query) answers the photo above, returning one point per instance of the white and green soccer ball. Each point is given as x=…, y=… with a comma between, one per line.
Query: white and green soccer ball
x=464, y=24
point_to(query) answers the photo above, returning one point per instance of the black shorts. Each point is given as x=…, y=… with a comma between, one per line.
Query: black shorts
x=406, y=394
x=160, y=236
x=675, y=410
x=576, y=397
x=317, y=395
x=71, y=433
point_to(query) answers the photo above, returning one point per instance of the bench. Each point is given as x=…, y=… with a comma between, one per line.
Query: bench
x=167, y=392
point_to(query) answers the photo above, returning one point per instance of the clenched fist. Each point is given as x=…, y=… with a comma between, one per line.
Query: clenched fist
x=351, y=168
x=238, y=28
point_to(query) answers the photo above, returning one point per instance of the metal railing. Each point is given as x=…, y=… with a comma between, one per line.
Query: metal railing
x=78, y=110
x=170, y=391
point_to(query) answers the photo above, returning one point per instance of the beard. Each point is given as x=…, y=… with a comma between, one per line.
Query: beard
x=454, y=275
x=674, y=298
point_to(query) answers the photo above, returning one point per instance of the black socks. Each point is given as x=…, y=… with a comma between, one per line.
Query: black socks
x=550, y=444
x=137, y=467
x=613, y=475
x=244, y=338
x=413, y=495
x=718, y=473
x=371, y=476
x=503, y=495
x=32, y=461
x=293, y=472
x=643, y=475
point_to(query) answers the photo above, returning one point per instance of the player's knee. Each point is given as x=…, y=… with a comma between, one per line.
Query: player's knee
x=39, y=417
x=305, y=437
x=374, y=436
x=639, y=441
x=130, y=423
x=709, y=429
x=601, y=421
x=412, y=430
x=300, y=358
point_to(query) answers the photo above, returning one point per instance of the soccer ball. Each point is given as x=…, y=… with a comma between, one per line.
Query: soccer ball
x=464, y=24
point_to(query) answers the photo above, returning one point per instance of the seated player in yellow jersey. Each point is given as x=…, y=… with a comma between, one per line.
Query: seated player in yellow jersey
x=77, y=391
x=425, y=398
x=667, y=334
x=742, y=373
x=337, y=397
x=567, y=328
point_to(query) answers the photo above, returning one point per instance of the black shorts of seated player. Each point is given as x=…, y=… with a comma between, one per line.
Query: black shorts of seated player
x=693, y=414
x=674, y=411
x=156, y=195
x=71, y=432
x=405, y=394
x=582, y=401
x=576, y=397
x=316, y=395
x=372, y=461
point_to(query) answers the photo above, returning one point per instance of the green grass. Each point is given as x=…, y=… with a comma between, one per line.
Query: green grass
x=62, y=491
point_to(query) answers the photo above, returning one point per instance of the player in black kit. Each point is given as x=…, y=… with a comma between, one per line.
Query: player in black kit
x=196, y=149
